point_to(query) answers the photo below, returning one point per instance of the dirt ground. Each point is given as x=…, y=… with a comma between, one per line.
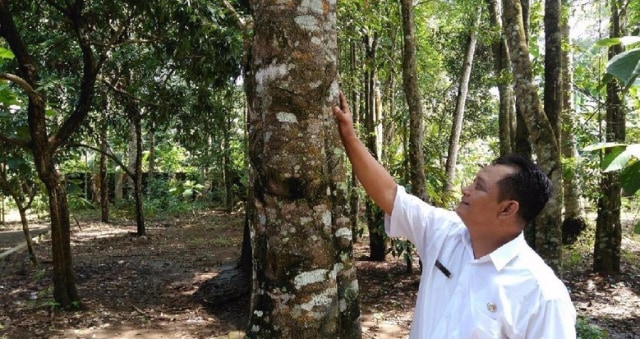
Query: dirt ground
x=143, y=287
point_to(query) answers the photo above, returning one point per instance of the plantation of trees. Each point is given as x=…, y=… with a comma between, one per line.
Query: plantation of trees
x=174, y=169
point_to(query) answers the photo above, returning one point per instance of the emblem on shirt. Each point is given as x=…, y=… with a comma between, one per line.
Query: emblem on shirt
x=492, y=307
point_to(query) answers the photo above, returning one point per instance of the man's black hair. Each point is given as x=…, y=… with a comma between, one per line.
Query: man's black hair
x=529, y=186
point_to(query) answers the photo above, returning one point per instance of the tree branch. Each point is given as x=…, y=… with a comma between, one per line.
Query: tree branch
x=244, y=23
x=87, y=83
x=22, y=83
x=17, y=142
x=110, y=156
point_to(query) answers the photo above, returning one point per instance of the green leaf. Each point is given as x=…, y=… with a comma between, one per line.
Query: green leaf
x=188, y=193
x=615, y=160
x=602, y=145
x=50, y=113
x=619, y=158
x=636, y=229
x=625, y=40
x=630, y=178
x=6, y=54
x=625, y=66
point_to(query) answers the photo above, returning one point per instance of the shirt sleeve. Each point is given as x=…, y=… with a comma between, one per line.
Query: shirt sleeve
x=416, y=220
x=556, y=318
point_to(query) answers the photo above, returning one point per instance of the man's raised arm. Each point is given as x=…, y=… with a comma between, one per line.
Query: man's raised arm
x=375, y=179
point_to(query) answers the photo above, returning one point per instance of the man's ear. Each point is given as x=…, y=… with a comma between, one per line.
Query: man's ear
x=509, y=208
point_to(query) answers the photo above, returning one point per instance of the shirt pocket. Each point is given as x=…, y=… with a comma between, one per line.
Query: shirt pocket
x=485, y=326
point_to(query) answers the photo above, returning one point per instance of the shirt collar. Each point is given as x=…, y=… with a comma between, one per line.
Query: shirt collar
x=505, y=253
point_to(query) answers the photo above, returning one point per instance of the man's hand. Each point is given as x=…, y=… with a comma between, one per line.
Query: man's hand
x=377, y=182
x=344, y=118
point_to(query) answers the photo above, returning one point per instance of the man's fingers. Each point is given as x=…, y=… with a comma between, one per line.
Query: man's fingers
x=343, y=102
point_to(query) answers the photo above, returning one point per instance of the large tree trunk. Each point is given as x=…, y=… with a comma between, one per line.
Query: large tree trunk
x=548, y=230
x=412, y=94
x=607, y=247
x=458, y=114
x=304, y=275
x=65, y=292
x=354, y=194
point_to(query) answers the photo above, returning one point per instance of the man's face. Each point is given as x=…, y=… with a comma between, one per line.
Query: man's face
x=479, y=206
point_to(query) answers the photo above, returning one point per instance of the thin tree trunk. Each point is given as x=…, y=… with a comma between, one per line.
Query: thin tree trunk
x=522, y=142
x=458, y=115
x=412, y=94
x=27, y=235
x=23, y=197
x=137, y=188
x=132, y=153
x=377, y=244
x=226, y=164
x=502, y=68
x=152, y=152
x=104, y=179
x=573, y=223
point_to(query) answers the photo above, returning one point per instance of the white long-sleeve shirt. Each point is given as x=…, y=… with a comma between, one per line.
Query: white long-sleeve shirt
x=509, y=293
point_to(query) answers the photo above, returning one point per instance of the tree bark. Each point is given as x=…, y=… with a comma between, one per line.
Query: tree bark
x=377, y=244
x=413, y=97
x=548, y=231
x=226, y=163
x=354, y=194
x=553, y=66
x=573, y=223
x=502, y=69
x=104, y=179
x=522, y=143
x=458, y=114
x=137, y=190
x=27, y=235
x=304, y=275
x=607, y=248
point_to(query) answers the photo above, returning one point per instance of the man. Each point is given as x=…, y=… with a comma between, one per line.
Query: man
x=480, y=279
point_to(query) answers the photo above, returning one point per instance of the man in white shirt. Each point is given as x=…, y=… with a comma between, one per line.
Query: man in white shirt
x=480, y=279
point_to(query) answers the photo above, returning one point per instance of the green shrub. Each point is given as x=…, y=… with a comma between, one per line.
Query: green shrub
x=585, y=330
